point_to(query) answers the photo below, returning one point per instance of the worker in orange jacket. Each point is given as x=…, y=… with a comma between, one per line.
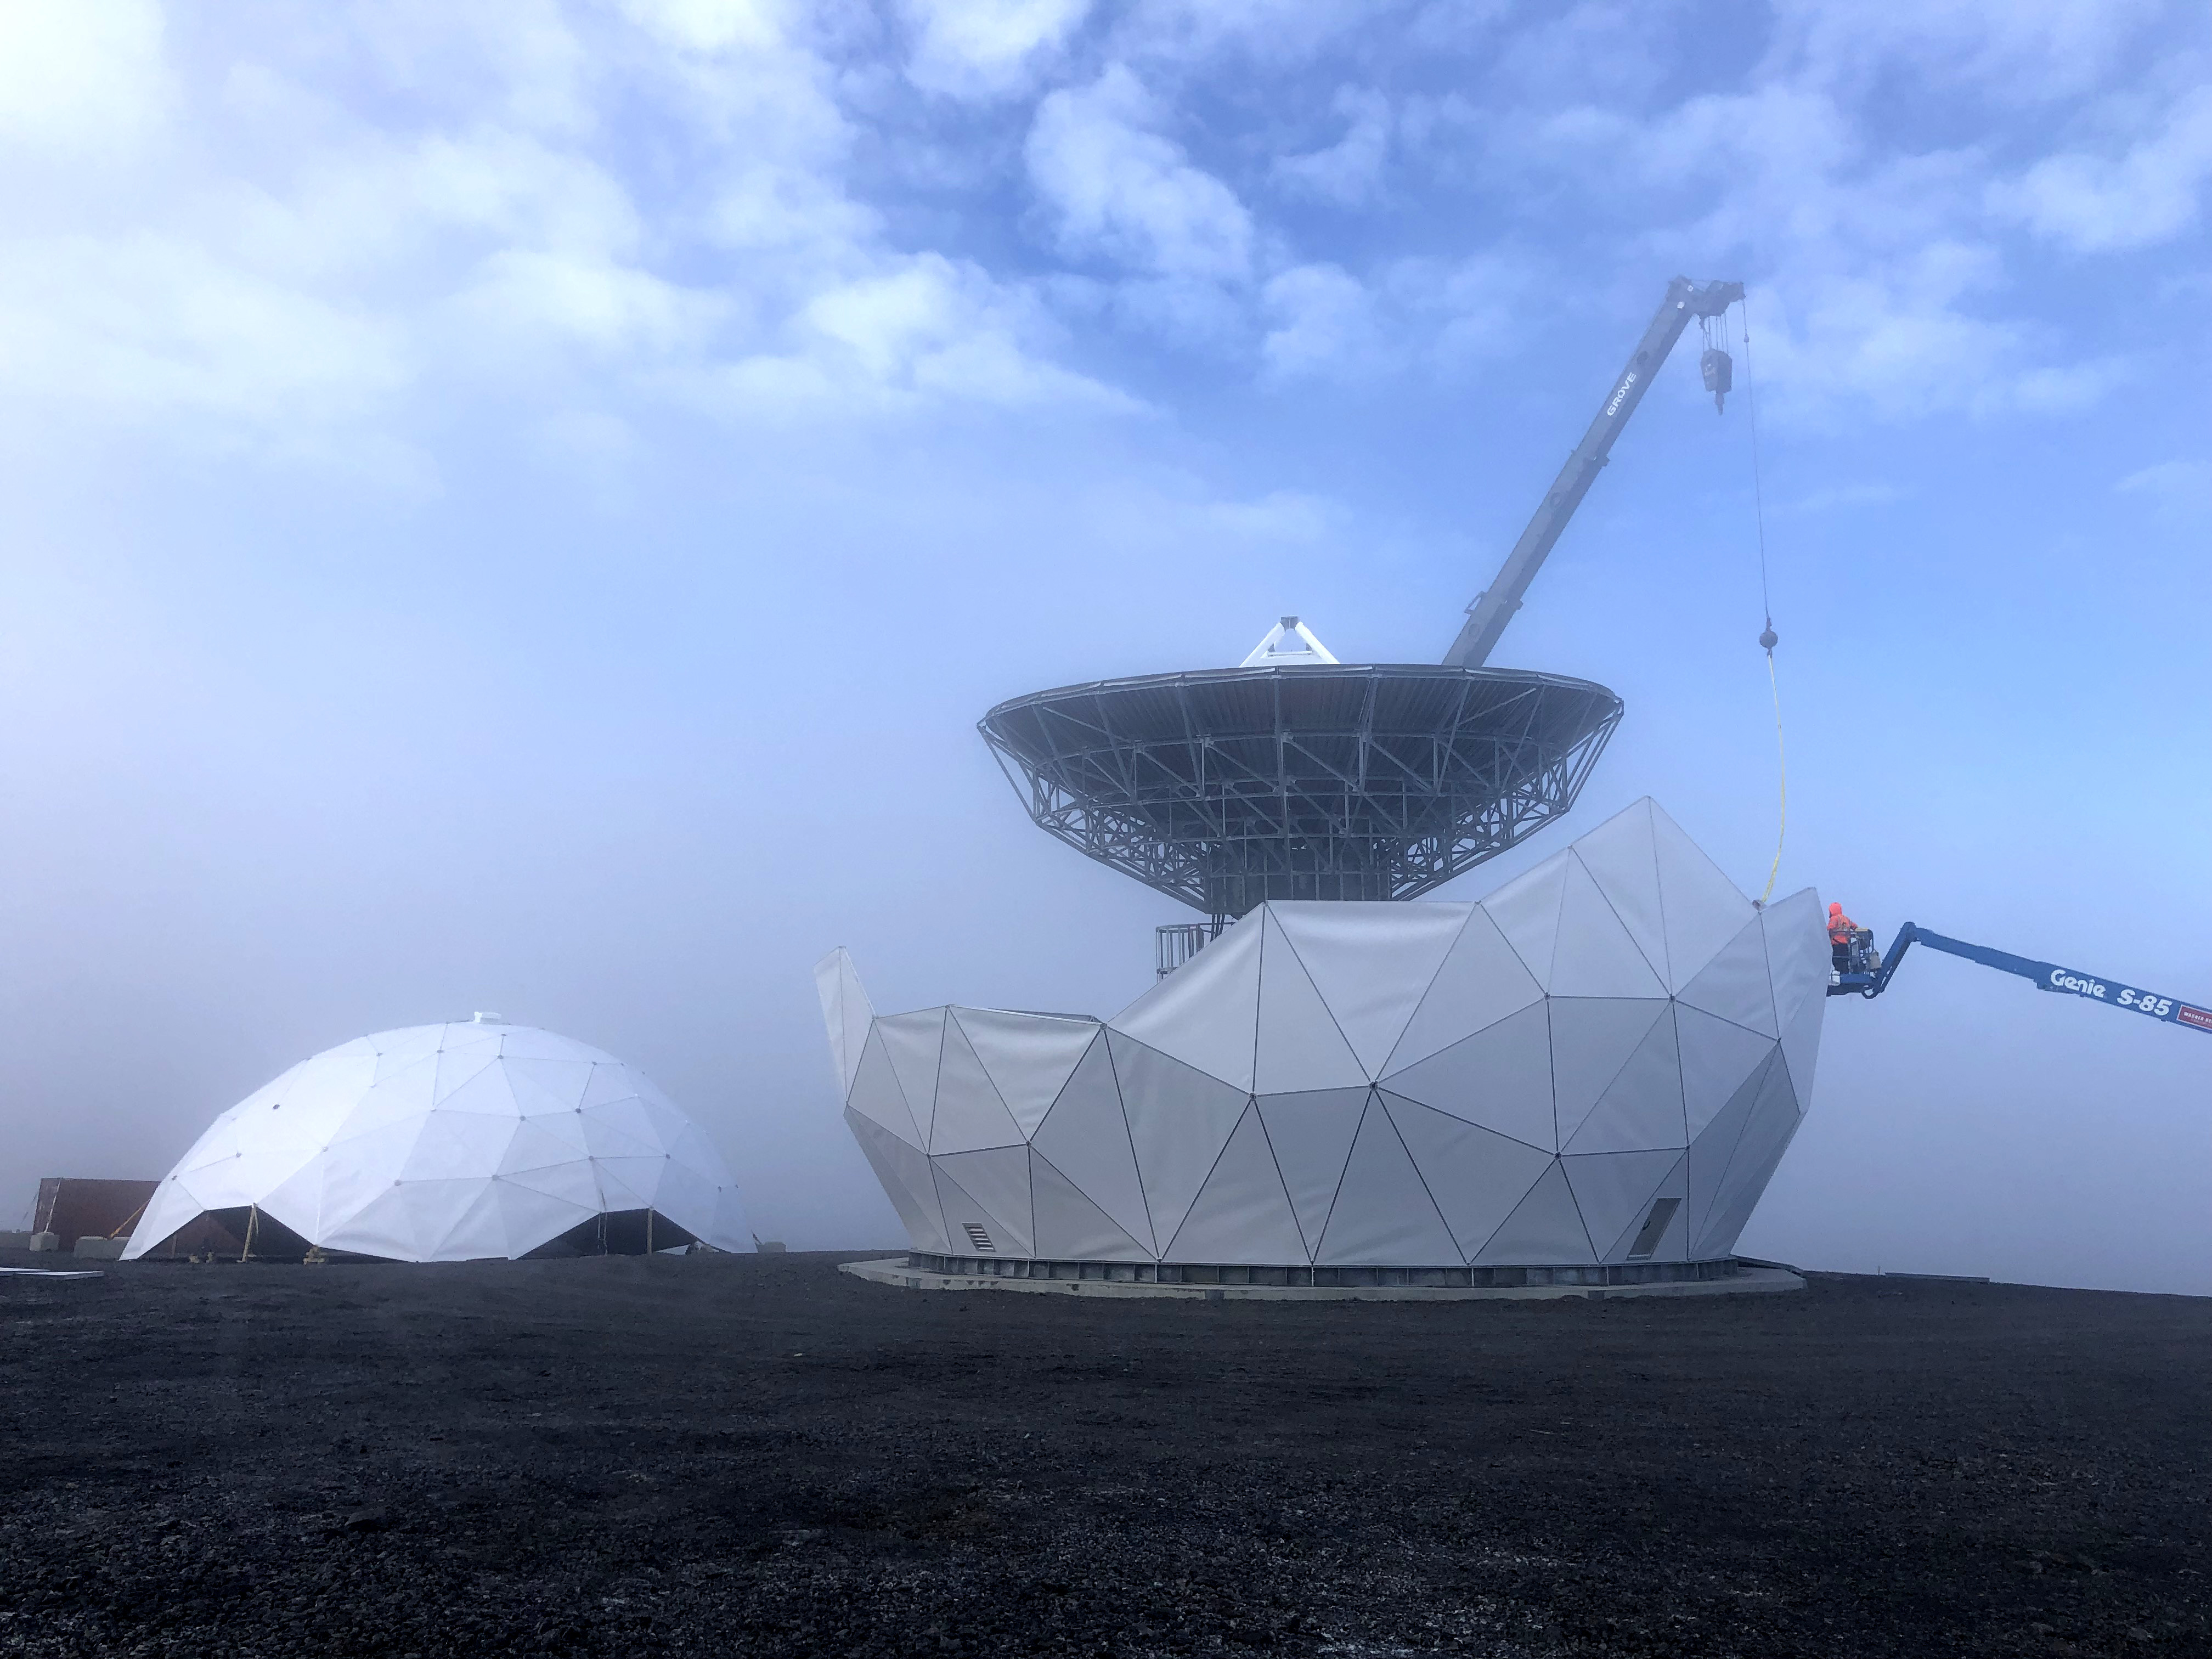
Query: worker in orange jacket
x=1841, y=929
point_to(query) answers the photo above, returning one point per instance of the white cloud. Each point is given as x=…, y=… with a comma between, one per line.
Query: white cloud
x=79, y=76
x=306, y=260
x=2148, y=195
x=987, y=48
x=1121, y=190
x=2177, y=489
x=1349, y=170
x=2019, y=50
x=1323, y=323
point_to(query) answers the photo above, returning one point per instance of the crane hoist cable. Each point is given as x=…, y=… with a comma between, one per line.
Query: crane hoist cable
x=1768, y=639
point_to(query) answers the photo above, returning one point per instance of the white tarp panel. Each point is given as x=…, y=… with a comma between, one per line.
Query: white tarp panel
x=1605, y=1058
x=1384, y=1215
x=1500, y=1079
x=1476, y=1177
x=1310, y=1135
x=1087, y=1139
x=422, y=1146
x=1799, y=959
x=1480, y=981
x=1179, y=1121
x=1242, y=1213
x=1029, y=1057
x=1206, y=1012
x=1300, y=1046
x=1069, y=1227
x=846, y=1011
x=970, y=1113
x=1544, y=1228
x=915, y=1043
x=1642, y=1107
x=1592, y=1039
x=1370, y=963
x=1620, y=858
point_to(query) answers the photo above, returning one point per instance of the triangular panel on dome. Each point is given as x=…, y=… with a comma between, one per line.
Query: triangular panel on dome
x=1480, y=980
x=1372, y=963
x=478, y=1231
x=403, y=1096
x=877, y=1095
x=530, y=1217
x=1642, y=1107
x=998, y=1180
x=1300, y=1046
x=628, y=1183
x=544, y=1087
x=1310, y=1135
x=1594, y=955
x=1475, y=1176
x=974, y=1227
x=1620, y=858
x=461, y=1057
x=405, y=1222
x=611, y=1084
x=1592, y=1040
x=1615, y=1190
x=1545, y=1230
x=529, y=1042
x=1179, y=1121
x=970, y=1113
x=904, y=1173
x=1704, y=909
x=1029, y=1057
x=1714, y=1146
x=1069, y=1227
x=485, y=1093
x=913, y=1042
x=1717, y=1057
x=1500, y=1079
x=1242, y=1213
x=543, y=1143
x=1205, y=1014
x=1767, y=1129
x=1087, y=1139
x=397, y=1050
x=363, y=1169
x=1734, y=985
x=846, y=1011
x=1384, y=1215
x=1527, y=912
x=1799, y=959
x=297, y=1202
x=1654, y=1230
x=620, y=1128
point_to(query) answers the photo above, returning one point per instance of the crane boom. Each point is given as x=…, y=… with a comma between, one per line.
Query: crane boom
x=1870, y=977
x=1492, y=609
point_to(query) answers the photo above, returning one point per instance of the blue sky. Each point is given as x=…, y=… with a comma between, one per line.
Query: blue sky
x=519, y=507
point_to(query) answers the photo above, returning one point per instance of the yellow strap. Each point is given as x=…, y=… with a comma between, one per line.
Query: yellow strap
x=1782, y=755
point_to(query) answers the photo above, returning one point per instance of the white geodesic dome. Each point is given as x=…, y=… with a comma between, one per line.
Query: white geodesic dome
x=1599, y=1065
x=453, y=1143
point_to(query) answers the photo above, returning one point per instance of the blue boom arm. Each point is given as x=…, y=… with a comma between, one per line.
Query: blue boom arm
x=1872, y=979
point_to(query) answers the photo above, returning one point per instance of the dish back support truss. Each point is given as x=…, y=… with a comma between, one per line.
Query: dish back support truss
x=1229, y=786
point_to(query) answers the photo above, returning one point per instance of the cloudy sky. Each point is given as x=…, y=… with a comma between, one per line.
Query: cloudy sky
x=519, y=507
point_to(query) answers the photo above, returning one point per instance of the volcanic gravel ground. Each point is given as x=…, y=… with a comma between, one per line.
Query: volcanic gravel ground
x=730, y=1454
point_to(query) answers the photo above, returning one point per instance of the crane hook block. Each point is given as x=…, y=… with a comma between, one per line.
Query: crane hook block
x=1720, y=375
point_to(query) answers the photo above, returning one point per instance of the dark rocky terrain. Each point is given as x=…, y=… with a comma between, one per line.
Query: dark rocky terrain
x=759, y=1455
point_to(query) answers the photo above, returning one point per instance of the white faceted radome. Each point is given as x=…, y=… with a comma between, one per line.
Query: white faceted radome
x=451, y=1143
x=1602, y=1061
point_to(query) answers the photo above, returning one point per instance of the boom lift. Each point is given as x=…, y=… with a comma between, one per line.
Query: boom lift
x=1862, y=972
